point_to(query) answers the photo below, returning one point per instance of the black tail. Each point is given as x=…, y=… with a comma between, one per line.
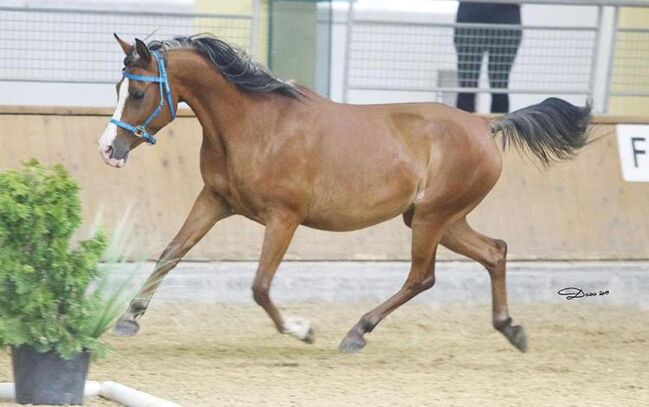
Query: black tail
x=552, y=130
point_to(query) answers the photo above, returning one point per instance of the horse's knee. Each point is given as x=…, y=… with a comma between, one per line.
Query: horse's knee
x=176, y=250
x=169, y=258
x=496, y=257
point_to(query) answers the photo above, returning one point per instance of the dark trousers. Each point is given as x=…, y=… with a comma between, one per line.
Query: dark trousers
x=501, y=46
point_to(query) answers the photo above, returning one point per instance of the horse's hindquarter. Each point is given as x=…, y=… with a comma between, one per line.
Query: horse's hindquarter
x=466, y=160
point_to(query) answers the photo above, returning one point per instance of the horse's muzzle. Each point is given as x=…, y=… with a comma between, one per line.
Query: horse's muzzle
x=112, y=158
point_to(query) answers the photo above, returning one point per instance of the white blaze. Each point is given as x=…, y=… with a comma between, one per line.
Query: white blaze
x=110, y=132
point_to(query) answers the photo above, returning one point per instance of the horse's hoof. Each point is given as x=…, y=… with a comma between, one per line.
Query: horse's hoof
x=310, y=336
x=517, y=337
x=352, y=344
x=126, y=327
x=299, y=328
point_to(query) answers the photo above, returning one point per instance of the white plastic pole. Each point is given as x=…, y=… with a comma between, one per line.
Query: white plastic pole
x=131, y=397
x=91, y=389
x=7, y=392
x=110, y=390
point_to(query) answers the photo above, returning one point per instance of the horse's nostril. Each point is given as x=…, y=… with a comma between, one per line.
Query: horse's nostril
x=109, y=151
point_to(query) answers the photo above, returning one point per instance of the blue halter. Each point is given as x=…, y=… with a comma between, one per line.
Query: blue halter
x=165, y=92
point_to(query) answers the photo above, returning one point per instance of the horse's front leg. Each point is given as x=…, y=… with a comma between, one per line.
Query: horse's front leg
x=279, y=232
x=207, y=210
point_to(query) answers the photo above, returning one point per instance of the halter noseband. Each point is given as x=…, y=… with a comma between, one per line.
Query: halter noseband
x=165, y=92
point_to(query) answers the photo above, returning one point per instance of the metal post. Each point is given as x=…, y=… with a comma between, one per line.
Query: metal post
x=609, y=69
x=254, y=30
x=594, y=65
x=348, y=50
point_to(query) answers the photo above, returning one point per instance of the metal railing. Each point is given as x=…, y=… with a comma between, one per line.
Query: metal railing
x=592, y=62
x=64, y=45
x=422, y=57
x=631, y=63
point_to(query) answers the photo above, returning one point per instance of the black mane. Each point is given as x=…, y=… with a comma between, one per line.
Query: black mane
x=235, y=65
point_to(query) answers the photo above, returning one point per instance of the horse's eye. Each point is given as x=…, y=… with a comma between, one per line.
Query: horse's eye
x=137, y=95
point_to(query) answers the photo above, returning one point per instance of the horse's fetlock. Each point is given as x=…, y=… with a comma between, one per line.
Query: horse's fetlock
x=367, y=324
x=138, y=307
x=503, y=324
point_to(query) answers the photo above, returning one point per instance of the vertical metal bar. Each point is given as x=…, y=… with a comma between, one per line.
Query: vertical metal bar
x=271, y=34
x=594, y=65
x=348, y=50
x=330, y=42
x=254, y=30
x=609, y=69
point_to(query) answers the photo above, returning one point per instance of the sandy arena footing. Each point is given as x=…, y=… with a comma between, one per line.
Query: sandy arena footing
x=438, y=351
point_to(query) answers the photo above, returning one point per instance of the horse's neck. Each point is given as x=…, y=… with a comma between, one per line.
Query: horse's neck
x=216, y=105
x=236, y=119
x=229, y=116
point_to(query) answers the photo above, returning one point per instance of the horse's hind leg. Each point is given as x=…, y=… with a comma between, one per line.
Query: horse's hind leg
x=207, y=210
x=426, y=233
x=491, y=253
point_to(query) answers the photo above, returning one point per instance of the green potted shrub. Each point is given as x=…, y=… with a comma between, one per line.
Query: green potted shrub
x=55, y=302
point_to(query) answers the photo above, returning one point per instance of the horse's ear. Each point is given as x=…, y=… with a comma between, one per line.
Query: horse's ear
x=142, y=50
x=126, y=47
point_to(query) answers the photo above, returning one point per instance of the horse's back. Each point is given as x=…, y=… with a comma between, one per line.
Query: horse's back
x=432, y=134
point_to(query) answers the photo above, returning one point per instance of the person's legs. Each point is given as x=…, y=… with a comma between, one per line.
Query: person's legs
x=503, y=47
x=469, y=58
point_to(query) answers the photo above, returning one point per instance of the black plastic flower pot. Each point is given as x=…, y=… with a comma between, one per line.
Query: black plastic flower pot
x=47, y=378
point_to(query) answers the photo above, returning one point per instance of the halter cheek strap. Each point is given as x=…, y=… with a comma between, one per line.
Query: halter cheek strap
x=165, y=93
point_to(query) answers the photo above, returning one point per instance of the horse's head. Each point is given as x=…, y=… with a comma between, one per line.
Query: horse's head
x=144, y=103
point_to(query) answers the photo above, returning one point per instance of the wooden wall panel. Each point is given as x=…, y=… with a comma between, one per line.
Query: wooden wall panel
x=576, y=210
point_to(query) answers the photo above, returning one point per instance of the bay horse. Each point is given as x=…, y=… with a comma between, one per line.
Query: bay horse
x=281, y=155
